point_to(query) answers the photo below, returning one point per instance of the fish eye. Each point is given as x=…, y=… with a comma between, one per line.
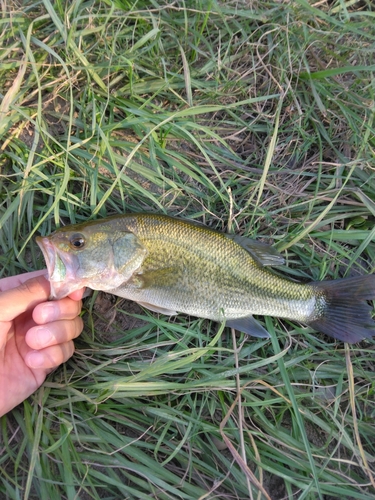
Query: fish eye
x=77, y=241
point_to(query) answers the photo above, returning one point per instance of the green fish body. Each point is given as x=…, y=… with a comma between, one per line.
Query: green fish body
x=175, y=266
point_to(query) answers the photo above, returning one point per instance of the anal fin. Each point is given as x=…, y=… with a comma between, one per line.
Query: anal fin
x=249, y=325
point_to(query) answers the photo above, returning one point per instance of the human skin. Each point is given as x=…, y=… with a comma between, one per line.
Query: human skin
x=36, y=335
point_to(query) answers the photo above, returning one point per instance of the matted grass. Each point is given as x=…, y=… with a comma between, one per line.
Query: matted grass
x=251, y=117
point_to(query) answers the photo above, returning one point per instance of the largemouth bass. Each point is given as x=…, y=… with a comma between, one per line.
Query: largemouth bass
x=175, y=266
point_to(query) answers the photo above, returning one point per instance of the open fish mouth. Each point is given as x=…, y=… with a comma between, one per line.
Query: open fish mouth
x=55, y=266
x=61, y=273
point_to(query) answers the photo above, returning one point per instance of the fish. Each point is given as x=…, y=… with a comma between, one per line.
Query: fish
x=171, y=265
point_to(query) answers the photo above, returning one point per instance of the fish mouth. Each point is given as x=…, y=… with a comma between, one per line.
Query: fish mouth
x=61, y=274
x=50, y=256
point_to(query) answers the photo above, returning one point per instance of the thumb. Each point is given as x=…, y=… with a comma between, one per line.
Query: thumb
x=25, y=296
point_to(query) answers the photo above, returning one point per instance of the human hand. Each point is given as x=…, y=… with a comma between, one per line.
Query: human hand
x=35, y=334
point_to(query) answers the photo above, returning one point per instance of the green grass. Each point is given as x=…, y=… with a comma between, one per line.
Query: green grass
x=251, y=117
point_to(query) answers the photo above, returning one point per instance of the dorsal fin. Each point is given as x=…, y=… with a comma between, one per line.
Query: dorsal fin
x=264, y=254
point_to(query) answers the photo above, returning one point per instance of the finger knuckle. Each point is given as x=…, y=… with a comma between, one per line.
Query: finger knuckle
x=31, y=287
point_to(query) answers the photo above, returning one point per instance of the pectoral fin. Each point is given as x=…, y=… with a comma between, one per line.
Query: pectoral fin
x=248, y=325
x=264, y=254
x=157, y=309
x=156, y=278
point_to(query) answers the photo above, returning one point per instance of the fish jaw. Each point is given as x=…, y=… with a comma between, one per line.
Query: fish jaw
x=62, y=269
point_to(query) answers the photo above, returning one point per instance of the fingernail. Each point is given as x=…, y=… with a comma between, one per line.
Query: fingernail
x=49, y=312
x=43, y=336
x=35, y=359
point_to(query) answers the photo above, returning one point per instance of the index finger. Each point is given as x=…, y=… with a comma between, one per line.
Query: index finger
x=25, y=296
x=18, y=279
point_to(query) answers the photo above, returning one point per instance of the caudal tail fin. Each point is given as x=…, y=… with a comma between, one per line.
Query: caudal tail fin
x=346, y=314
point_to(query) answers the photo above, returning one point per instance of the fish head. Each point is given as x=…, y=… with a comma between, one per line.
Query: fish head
x=90, y=255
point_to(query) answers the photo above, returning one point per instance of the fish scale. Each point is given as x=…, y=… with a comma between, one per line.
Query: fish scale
x=242, y=286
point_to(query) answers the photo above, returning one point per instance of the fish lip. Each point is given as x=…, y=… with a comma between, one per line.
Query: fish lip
x=49, y=254
x=54, y=262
